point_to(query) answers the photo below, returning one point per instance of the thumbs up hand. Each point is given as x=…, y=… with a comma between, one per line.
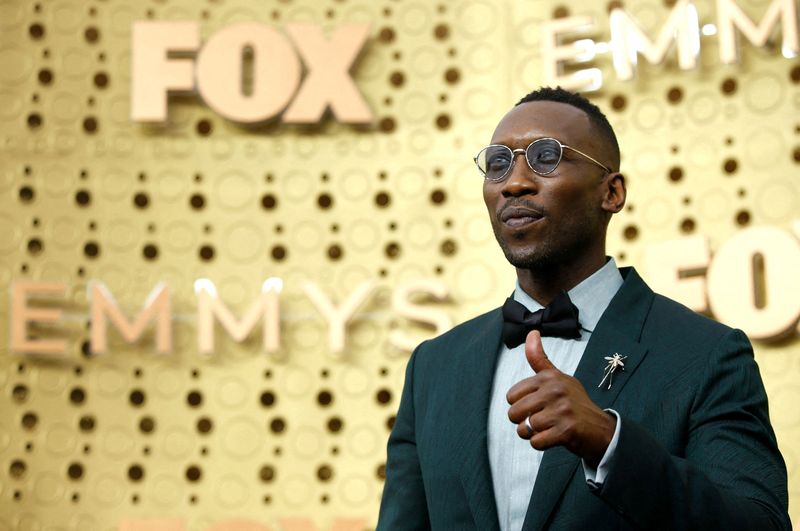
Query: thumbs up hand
x=534, y=352
x=557, y=409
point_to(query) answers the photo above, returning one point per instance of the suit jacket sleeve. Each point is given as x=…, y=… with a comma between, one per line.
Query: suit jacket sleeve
x=732, y=475
x=403, y=505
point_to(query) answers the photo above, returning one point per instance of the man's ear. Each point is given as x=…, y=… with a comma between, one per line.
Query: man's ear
x=614, y=192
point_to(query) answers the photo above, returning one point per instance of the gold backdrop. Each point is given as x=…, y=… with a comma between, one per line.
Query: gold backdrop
x=89, y=441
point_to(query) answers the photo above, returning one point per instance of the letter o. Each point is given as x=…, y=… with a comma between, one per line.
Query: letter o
x=731, y=284
x=276, y=72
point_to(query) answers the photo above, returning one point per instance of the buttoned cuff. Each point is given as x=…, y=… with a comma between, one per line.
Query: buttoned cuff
x=596, y=476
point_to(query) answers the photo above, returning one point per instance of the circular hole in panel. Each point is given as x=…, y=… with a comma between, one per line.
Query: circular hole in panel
x=90, y=124
x=29, y=420
x=75, y=471
x=277, y=425
x=83, y=197
x=34, y=120
x=324, y=398
x=383, y=199
x=204, y=425
x=35, y=246
x=91, y=249
x=194, y=473
x=86, y=423
x=335, y=424
x=17, y=468
x=675, y=95
x=324, y=472
x=147, y=424
x=267, y=398
x=101, y=80
x=194, y=398
x=197, y=201
x=206, y=253
x=387, y=124
x=45, y=76
x=77, y=396
x=26, y=194
x=266, y=473
x=269, y=201
x=36, y=31
x=728, y=86
x=136, y=397
x=743, y=218
x=335, y=252
x=383, y=396
x=91, y=34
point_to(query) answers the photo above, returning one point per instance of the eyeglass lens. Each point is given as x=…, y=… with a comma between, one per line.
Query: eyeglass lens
x=543, y=156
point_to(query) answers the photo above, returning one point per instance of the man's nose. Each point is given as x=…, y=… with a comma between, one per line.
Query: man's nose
x=521, y=179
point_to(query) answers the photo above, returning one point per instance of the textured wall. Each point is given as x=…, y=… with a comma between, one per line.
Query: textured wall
x=86, y=442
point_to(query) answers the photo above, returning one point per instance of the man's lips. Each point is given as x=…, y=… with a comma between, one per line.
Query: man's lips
x=519, y=216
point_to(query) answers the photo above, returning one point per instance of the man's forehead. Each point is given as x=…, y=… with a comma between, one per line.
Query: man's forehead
x=535, y=119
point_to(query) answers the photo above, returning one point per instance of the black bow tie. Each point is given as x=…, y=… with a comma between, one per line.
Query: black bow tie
x=557, y=319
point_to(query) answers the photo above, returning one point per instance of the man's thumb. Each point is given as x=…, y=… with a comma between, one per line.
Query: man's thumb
x=537, y=359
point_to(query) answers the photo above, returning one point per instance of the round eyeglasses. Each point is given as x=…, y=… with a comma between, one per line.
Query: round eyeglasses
x=542, y=155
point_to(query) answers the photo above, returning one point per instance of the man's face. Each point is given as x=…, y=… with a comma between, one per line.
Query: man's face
x=553, y=220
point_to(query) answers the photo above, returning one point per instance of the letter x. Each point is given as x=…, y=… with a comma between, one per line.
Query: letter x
x=328, y=82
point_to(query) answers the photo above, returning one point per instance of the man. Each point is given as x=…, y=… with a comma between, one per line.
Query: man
x=664, y=424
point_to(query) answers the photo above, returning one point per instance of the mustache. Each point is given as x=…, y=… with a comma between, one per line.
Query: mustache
x=516, y=207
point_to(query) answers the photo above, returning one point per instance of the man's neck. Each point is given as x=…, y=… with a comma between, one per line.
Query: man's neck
x=545, y=283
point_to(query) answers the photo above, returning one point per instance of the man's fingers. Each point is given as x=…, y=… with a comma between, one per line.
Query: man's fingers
x=520, y=389
x=534, y=352
x=527, y=405
x=524, y=431
x=542, y=435
x=542, y=440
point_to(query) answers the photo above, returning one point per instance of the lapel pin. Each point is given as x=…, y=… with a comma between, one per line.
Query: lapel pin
x=614, y=362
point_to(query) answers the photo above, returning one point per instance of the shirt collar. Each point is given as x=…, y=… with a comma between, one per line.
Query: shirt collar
x=592, y=296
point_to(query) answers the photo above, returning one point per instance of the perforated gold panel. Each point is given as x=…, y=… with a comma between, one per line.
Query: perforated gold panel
x=87, y=442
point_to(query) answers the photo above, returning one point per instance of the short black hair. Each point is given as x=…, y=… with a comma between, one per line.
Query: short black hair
x=596, y=116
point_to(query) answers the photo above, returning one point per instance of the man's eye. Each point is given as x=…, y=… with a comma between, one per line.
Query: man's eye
x=547, y=156
x=498, y=162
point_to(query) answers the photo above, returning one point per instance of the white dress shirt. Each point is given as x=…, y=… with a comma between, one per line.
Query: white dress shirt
x=513, y=462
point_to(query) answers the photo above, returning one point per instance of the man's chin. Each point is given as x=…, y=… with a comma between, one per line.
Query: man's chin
x=524, y=257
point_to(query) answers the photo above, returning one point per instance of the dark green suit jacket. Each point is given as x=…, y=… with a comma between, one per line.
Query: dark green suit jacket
x=695, y=450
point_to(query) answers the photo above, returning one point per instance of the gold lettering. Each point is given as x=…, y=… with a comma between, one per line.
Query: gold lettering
x=209, y=307
x=304, y=524
x=154, y=75
x=403, y=305
x=276, y=72
x=338, y=317
x=152, y=524
x=238, y=524
x=22, y=315
x=674, y=268
x=732, y=288
x=157, y=306
x=555, y=54
x=628, y=41
x=730, y=16
x=328, y=83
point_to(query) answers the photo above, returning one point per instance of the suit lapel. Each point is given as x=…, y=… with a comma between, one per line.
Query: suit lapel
x=618, y=331
x=479, y=365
